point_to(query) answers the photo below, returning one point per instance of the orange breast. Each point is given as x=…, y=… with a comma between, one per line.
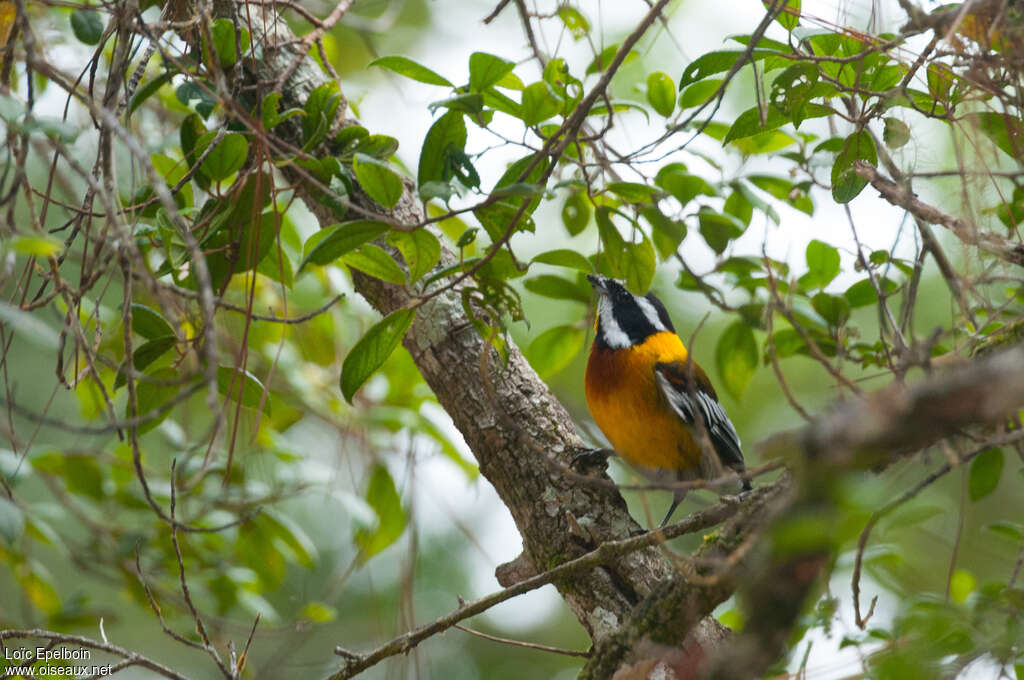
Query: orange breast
x=627, y=405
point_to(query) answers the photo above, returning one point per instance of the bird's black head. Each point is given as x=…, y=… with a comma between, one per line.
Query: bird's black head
x=624, y=319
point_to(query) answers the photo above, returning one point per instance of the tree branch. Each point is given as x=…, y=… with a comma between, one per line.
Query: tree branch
x=967, y=232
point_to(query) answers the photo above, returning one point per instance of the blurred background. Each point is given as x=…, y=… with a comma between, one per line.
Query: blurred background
x=308, y=458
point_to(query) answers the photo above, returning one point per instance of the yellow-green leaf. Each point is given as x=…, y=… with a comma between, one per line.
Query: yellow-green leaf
x=373, y=349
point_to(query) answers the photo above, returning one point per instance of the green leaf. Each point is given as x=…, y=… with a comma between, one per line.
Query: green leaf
x=419, y=248
x=833, y=308
x=716, y=62
x=36, y=246
x=144, y=355
x=736, y=357
x=718, y=229
x=410, y=69
x=327, y=245
x=486, y=70
x=862, y=293
x=539, y=103
x=822, y=265
x=83, y=476
x=632, y=192
x=576, y=212
x=373, y=349
x=12, y=521
x=896, y=133
x=789, y=17
x=158, y=389
x=986, y=470
x=748, y=123
x=445, y=136
x=683, y=186
x=378, y=180
x=321, y=108
x=574, y=21
x=223, y=32
x=467, y=238
x=563, y=257
x=226, y=158
x=557, y=288
x=666, y=232
x=552, y=350
x=699, y=92
x=1010, y=530
x=198, y=95
x=149, y=89
x=243, y=387
x=375, y=261
x=764, y=142
x=634, y=263
x=661, y=93
x=1005, y=131
x=87, y=26
x=382, y=496
x=846, y=183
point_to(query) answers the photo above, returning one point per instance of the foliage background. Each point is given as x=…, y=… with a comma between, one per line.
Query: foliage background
x=326, y=475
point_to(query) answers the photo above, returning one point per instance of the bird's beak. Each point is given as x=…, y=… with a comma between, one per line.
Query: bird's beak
x=598, y=282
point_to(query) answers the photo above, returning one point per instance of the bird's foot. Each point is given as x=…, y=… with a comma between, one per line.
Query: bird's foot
x=591, y=458
x=736, y=499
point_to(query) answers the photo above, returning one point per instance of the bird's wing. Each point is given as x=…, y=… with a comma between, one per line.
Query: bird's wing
x=688, y=390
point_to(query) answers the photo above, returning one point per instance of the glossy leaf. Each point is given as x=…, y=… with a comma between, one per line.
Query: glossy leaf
x=87, y=25
x=242, y=386
x=699, y=92
x=661, y=93
x=404, y=66
x=539, y=103
x=327, y=245
x=419, y=248
x=846, y=183
x=373, y=260
x=226, y=158
x=985, y=473
x=634, y=263
x=564, y=257
x=576, y=212
x=1006, y=132
x=557, y=288
x=378, y=180
x=446, y=136
x=554, y=349
x=822, y=265
x=373, y=349
x=486, y=70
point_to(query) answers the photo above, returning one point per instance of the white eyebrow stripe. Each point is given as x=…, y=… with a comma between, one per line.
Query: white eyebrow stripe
x=608, y=326
x=650, y=312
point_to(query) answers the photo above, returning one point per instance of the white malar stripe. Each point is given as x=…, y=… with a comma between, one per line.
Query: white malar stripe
x=611, y=332
x=651, y=313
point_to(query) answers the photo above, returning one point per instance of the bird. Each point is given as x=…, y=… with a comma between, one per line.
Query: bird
x=647, y=394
